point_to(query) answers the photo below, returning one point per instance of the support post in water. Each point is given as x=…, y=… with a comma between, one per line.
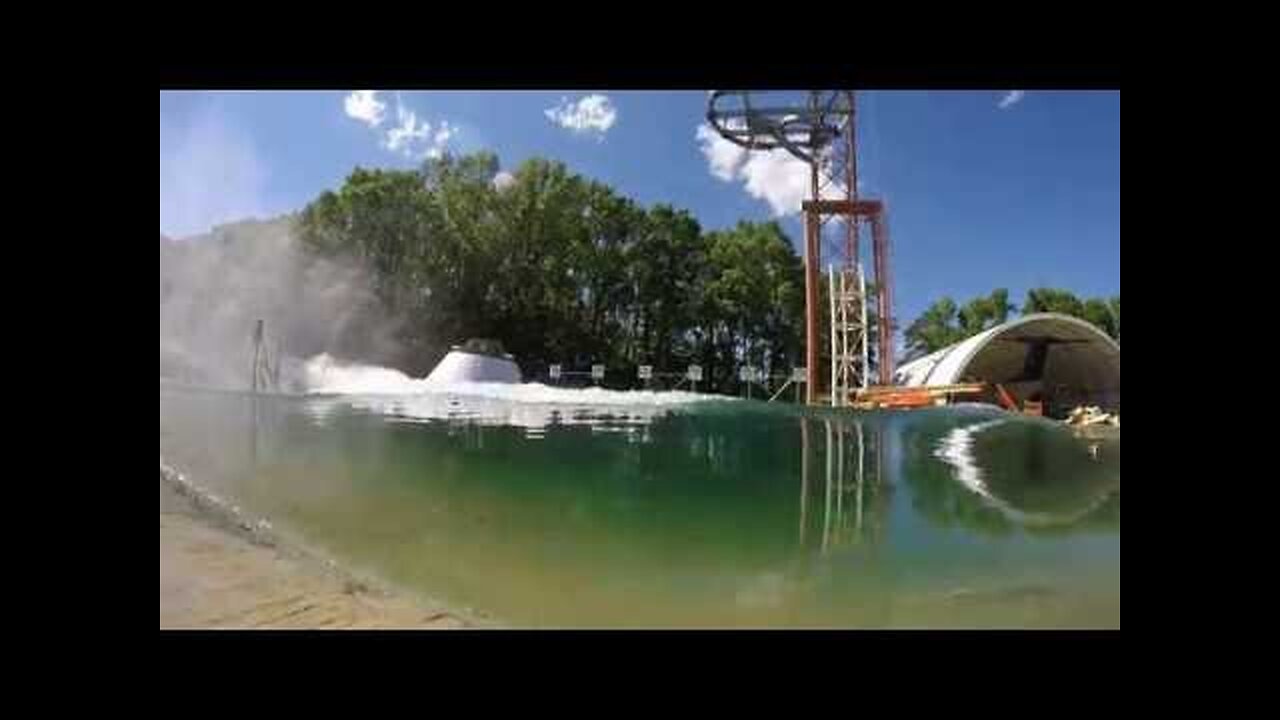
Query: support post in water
x=275, y=368
x=257, y=353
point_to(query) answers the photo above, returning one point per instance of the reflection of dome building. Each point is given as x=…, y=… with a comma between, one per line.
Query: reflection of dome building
x=1059, y=359
x=1044, y=479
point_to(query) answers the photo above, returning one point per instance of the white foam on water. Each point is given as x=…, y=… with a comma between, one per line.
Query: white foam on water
x=323, y=375
x=956, y=449
x=529, y=405
x=545, y=394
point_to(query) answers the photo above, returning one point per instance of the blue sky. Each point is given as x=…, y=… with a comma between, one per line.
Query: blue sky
x=984, y=189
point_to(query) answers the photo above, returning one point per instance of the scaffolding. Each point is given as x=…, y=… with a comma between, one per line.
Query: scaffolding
x=849, y=362
x=852, y=481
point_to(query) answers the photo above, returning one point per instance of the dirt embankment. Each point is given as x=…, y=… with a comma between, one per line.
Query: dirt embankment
x=218, y=571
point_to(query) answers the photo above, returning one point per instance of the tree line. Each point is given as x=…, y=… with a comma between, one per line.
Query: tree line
x=564, y=270
x=945, y=322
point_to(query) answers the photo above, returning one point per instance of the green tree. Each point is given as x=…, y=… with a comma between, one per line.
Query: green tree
x=982, y=313
x=535, y=272
x=387, y=222
x=664, y=264
x=1114, y=304
x=561, y=269
x=753, y=301
x=935, y=329
x=1103, y=313
x=943, y=323
x=613, y=226
x=1098, y=312
x=1052, y=300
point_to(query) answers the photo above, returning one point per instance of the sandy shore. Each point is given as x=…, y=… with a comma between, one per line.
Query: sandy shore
x=214, y=574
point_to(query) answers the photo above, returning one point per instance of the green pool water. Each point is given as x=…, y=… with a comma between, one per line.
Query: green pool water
x=692, y=514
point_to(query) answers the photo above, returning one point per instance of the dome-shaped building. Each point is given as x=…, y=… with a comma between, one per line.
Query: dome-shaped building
x=1056, y=359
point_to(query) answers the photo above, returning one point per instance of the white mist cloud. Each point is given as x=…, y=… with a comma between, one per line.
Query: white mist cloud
x=591, y=114
x=777, y=177
x=364, y=105
x=213, y=289
x=1011, y=98
x=210, y=173
x=444, y=133
x=503, y=180
x=440, y=140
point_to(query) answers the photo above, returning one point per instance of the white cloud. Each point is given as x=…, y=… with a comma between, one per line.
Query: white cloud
x=1011, y=98
x=364, y=105
x=725, y=157
x=593, y=113
x=410, y=136
x=503, y=180
x=402, y=137
x=779, y=178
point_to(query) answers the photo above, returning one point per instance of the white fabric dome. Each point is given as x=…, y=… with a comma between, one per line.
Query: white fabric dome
x=1080, y=363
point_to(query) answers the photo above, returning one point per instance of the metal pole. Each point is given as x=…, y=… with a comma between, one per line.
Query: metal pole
x=862, y=294
x=845, y=360
x=861, y=469
x=851, y=182
x=275, y=369
x=832, y=278
x=257, y=350
x=784, y=387
x=811, y=261
x=840, y=479
x=804, y=472
x=880, y=241
x=826, y=516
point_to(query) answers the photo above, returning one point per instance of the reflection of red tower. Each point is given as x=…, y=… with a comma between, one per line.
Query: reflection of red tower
x=821, y=132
